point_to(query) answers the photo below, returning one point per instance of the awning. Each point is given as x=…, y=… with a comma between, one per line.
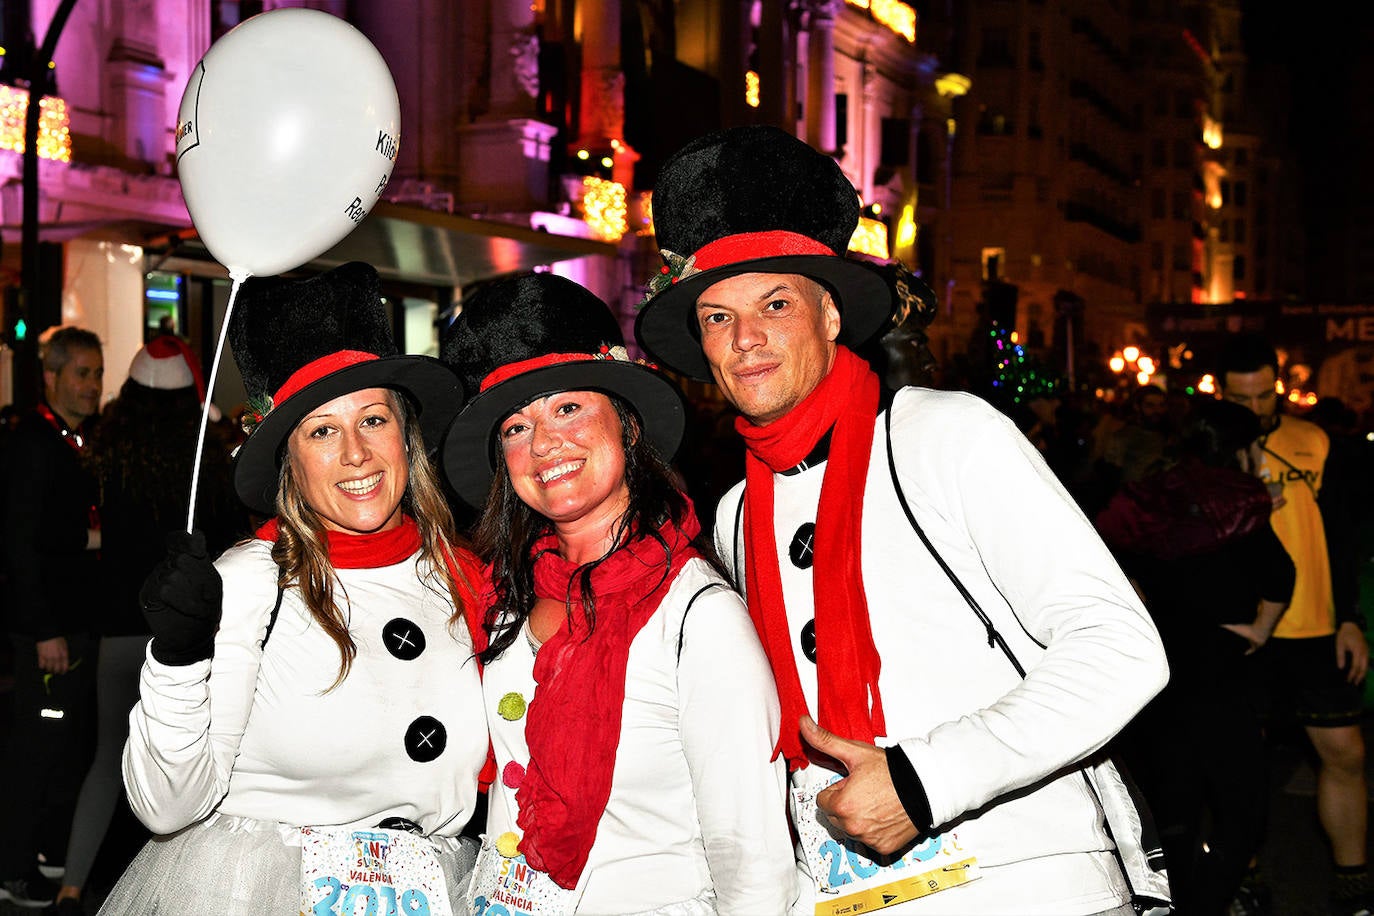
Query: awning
x=413, y=245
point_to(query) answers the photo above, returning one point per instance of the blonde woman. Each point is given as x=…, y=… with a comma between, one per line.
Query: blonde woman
x=319, y=750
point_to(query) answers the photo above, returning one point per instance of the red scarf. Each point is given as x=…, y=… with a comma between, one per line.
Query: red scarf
x=573, y=724
x=362, y=551
x=847, y=662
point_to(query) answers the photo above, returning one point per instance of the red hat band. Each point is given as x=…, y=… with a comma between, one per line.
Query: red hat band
x=749, y=246
x=317, y=369
x=509, y=371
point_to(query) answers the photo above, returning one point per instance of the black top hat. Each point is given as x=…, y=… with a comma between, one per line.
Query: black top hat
x=301, y=343
x=527, y=337
x=746, y=200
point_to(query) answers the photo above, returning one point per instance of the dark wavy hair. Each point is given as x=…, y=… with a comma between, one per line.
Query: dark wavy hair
x=1215, y=430
x=508, y=529
x=145, y=441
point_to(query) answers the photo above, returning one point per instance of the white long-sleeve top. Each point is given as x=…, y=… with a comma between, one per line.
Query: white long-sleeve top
x=696, y=806
x=973, y=729
x=257, y=733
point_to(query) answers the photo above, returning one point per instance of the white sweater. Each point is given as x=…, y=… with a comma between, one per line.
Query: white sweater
x=973, y=729
x=258, y=734
x=696, y=808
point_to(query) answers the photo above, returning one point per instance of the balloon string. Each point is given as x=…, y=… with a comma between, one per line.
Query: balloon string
x=209, y=395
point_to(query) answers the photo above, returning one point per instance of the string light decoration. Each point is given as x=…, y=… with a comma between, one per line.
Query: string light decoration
x=751, y=89
x=1016, y=376
x=897, y=16
x=870, y=238
x=604, y=208
x=54, y=124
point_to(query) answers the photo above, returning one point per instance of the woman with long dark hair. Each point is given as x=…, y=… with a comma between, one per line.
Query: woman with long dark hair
x=1196, y=540
x=631, y=708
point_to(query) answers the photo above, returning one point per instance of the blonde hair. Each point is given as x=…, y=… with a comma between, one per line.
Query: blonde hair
x=302, y=555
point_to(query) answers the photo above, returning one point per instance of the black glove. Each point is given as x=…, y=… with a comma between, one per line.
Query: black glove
x=181, y=601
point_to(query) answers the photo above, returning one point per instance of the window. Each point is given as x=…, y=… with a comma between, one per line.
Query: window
x=1182, y=206
x=1183, y=257
x=1158, y=206
x=1184, y=155
x=1156, y=256
x=996, y=49
x=1159, y=154
x=1184, y=104
x=1238, y=232
x=925, y=158
x=1242, y=155
x=164, y=304
x=896, y=141
x=992, y=263
x=1240, y=195
x=994, y=123
x=1238, y=268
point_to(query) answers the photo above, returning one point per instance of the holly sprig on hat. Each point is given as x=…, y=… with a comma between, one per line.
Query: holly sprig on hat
x=255, y=411
x=620, y=354
x=675, y=267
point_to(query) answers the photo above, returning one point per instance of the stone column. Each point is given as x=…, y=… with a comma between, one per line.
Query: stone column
x=138, y=83
x=777, y=95
x=820, y=95
x=514, y=61
x=869, y=154
x=504, y=152
x=602, y=110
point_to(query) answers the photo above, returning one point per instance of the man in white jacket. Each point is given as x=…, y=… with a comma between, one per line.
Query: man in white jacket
x=923, y=585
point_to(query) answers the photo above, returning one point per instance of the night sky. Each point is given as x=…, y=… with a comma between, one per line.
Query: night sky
x=1324, y=66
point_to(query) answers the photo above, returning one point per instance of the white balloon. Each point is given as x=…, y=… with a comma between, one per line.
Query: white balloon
x=286, y=136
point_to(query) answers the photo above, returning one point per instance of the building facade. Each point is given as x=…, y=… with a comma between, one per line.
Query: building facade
x=1080, y=159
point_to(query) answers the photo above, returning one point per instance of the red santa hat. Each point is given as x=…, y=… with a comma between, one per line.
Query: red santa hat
x=166, y=363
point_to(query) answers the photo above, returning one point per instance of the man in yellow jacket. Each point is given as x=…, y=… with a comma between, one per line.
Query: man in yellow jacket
x=1314, y=666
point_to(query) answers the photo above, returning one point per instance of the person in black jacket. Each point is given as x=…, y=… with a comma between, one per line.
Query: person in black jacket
x=52, y=542
x=1195, y=538
x=141, y=453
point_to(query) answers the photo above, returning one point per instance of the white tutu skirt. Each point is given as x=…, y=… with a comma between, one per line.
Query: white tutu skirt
x=234, y=866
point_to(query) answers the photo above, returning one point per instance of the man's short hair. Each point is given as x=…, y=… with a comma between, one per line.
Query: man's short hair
x=56, y=345
x=1246, y=353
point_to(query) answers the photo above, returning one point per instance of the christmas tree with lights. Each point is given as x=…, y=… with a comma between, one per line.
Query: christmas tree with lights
x=1017, y=376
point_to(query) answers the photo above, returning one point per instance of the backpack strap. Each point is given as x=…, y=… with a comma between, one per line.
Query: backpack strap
x=272, y=620
x=738, y=565
x=994, y=637
x=1135, y=850
x=682, y=629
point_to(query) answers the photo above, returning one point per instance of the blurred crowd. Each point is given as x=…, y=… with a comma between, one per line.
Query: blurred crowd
x=1181, y=487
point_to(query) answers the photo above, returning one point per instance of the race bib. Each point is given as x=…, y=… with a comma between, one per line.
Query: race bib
x=849, y=878
x=373, y=872
x=504, y=884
